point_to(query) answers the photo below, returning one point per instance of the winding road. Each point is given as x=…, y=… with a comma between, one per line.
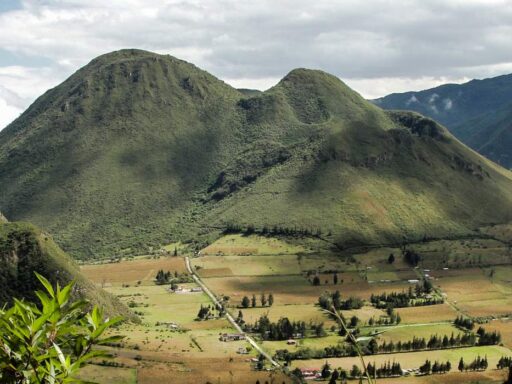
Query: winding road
x=228, y=315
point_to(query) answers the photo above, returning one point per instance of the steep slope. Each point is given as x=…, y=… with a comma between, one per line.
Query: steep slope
x=138, y=149
x=24, y=249
x=490, y=134
x=471, y=111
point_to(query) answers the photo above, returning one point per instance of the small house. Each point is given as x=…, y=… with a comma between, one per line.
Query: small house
x=232, y=337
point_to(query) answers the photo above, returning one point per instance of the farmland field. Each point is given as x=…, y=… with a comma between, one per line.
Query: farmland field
x=170, y=340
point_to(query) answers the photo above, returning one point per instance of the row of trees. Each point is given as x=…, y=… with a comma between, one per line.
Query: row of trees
x=275, y=230
x=428, y=368
x=434, y=342
x=264, y=301
x=386, y=370
x=328, y=300
x=504, y=362
x=478, y=364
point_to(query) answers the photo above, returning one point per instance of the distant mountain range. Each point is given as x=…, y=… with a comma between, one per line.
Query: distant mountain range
x=138, y=149
x=479, y=113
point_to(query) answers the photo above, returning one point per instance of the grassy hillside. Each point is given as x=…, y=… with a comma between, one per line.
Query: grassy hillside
x=138, y=149
x=475, y=112
x=490, y=134
x=24, y=249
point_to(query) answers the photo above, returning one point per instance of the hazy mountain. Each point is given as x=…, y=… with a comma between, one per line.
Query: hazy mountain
x=24, y=249
x=478, y=113
x=139, y=149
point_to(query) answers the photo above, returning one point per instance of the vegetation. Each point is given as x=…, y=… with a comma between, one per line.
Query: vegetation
x=49, y=342
x=101, y=156
x=24, y=249
x=330, y=300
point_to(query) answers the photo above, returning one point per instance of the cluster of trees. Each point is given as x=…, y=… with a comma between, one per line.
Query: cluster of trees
x=479, y=364
x=386, y=370
x=488, y=338
x=264, y=301
x=411, y=257
x=205, y=312
x=284, y=329
x=406, y=299
x=328, y=300
x=168, y=277
x=464, y=322
x=392, y=318
x=504, y=362
x=429, y=368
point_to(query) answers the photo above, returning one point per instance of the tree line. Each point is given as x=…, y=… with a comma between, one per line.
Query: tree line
x=283, y=329
x=264, y=301
x=407, y=299
x=275, y=230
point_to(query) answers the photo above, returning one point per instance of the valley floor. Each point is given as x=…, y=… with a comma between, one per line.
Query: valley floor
x=470, y=278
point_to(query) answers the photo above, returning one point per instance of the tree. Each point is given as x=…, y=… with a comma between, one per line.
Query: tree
x=270, y=299
x=49, y=342
x=240, y=318
x=509, y=380
x=355, y=371
x=263, y=300
x=391, y=258
x=245, y=302
x=461, y=365
x=253, y=301
x=326, y=370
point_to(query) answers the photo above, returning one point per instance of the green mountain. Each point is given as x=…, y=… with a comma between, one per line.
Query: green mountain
x=138, y=149
x=477, y=113
x=25, y=249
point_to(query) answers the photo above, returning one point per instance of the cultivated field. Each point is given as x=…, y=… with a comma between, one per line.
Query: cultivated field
x=296, y=275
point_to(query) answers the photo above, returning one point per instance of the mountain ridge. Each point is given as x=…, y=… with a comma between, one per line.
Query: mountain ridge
x=469, y=110
x=138, y=149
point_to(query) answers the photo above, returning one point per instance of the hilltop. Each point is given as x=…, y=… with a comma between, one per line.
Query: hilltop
x=476, y=112
x=138, y=149
x=25, y=249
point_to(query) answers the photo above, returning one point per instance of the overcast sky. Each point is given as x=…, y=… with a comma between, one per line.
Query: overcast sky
x=377, y=47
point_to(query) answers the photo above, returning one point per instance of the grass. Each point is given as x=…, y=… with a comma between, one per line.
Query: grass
x=132, y=271
x=108, y=375
x=408, y=332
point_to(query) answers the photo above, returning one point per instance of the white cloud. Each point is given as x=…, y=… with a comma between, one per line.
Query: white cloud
x=7, y=113
x=377, y=46
x=448, y=104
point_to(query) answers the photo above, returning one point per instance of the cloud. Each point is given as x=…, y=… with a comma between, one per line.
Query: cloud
x=448, y=104
x=377, y=46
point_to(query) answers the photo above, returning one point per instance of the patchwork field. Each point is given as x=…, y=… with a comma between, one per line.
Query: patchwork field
x=170, y=341
x=411, y=360
x=132, y=271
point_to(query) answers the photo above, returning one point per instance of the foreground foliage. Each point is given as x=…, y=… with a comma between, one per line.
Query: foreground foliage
x=49, y=342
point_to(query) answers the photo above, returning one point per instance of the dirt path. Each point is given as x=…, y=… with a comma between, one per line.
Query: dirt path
x=228, y=315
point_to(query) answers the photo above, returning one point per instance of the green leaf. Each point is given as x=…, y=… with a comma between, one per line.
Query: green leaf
x=46, y=284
